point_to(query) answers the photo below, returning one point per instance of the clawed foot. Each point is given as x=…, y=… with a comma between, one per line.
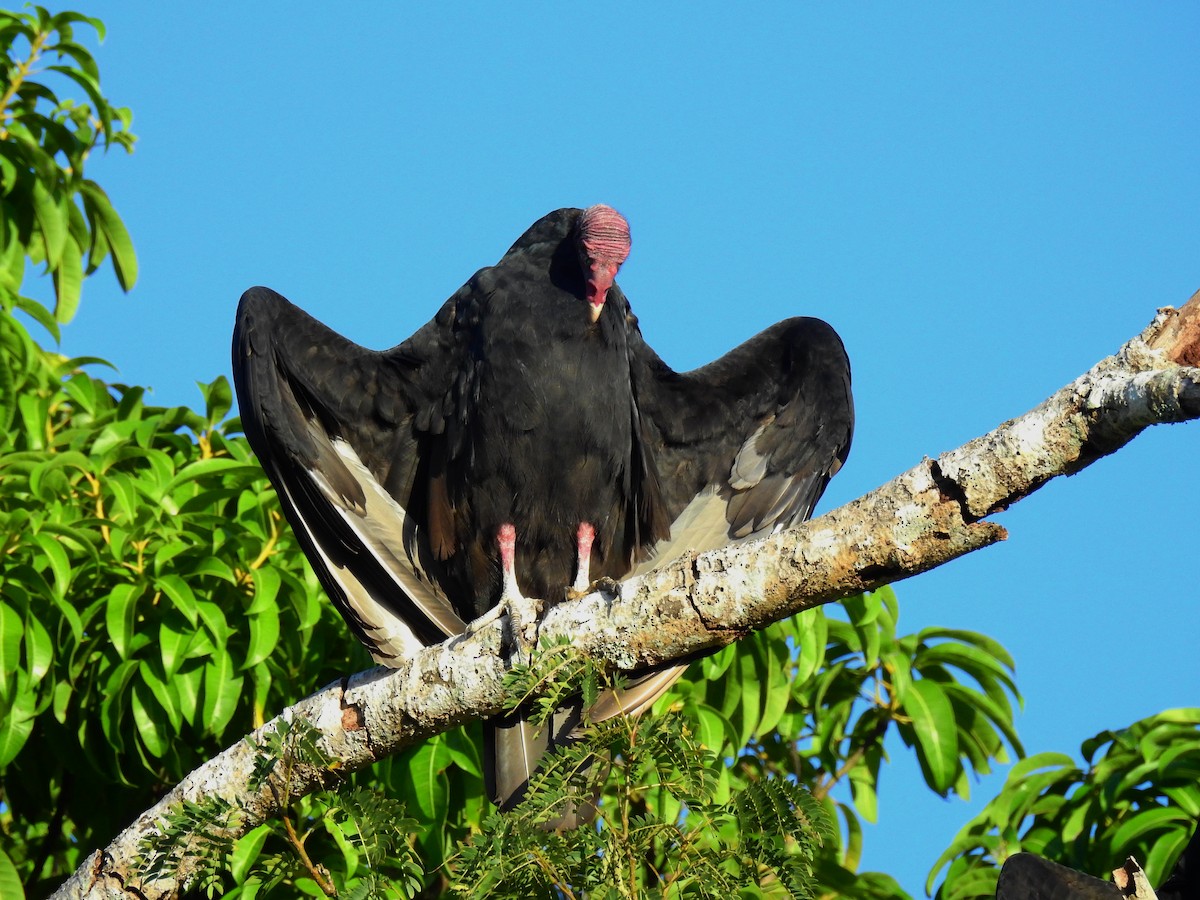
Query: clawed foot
x=524, y=615
x=605, y=584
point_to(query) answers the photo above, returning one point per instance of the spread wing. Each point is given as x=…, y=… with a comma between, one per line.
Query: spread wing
x=741, y=448
x=344, y=434
x=745, y=445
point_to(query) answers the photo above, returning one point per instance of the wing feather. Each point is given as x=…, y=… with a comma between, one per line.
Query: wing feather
x=740, y=448
x=332, y=423
x=745, y=445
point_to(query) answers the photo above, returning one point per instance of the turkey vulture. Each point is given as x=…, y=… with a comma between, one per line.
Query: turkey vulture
x=526, y=442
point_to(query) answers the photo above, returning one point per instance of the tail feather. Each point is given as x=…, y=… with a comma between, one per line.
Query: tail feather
x=514, y=747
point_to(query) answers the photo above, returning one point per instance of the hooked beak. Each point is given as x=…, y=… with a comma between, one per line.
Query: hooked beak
x=600, y=278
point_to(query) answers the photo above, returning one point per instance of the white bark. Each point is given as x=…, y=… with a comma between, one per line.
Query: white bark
x=925, y=517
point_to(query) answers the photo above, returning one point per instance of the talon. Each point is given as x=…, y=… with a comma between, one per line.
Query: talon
x=607, y=585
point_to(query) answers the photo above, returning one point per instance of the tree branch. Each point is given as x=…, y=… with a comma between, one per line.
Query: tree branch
x=923, y=518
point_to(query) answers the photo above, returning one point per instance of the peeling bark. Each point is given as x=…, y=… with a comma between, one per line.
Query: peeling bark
x=925, y=517
x=1133, y=882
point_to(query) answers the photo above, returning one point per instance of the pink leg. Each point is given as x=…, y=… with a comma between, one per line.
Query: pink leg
x=522, y=613
x=506, y=537
x=584, y=537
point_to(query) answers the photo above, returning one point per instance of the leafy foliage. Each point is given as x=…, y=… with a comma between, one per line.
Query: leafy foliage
x=759, y=843
x=1138, y=794
x=143, y=622
x=49, y=211
x=811, y=699
x=200, y=841
x=555, y=675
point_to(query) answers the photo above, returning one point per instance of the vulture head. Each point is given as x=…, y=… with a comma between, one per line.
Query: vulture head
x=603, y=242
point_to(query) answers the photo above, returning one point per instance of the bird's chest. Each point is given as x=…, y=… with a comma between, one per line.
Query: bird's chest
x=542, y=366
x=549, y=413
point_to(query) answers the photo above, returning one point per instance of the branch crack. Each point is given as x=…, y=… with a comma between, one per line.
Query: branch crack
x=953, y=492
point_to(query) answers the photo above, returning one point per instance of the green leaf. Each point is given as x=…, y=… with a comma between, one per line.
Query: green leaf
x=52, y=220
x=428, y=781
x=1145, y=822
x=71, y=616
x=999, y=716
x=349, y=854
x=175, y=639
x=164, y=693
x=84, y=79
x=50, y=469
x=148, y=726
x=39, y=649
x=112, y=708
x=35, y=310
x=187, y=684
x=932, y=718
x=221, y=692
x=854, y=842
x=464, y=752
x=1040, y=762
x=10, y=881
x=56, y=557
x=10, y=642
x=120, y=610
x=1161, y=858
x=898, y=666
x=970, y=658
x=16, y=722
x=82, y=389
x=714, y=731
x=105, y=218
x=181, y=596
x=862, y=786
x=267, y=581
x=714, y=666
x=68, y=282
x=777, y=693
x=214, y=621
x=264, y=635
x=743, y=704
x=246, y=851
x=862, y=609
x=62, y=701
x=68, y=16
x=989, y=645
x=814, y=637
x=215, y=567
x=218, y=399
x=206, y=467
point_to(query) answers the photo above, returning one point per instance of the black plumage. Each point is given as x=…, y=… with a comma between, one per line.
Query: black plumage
x=530, y=403
x=1028, y=877
x=1025, y=876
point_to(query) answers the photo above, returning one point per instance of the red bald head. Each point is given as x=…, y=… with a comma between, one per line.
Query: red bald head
x=603, y=247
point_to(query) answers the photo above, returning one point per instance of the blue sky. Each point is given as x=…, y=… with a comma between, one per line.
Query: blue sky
x=983, y=199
